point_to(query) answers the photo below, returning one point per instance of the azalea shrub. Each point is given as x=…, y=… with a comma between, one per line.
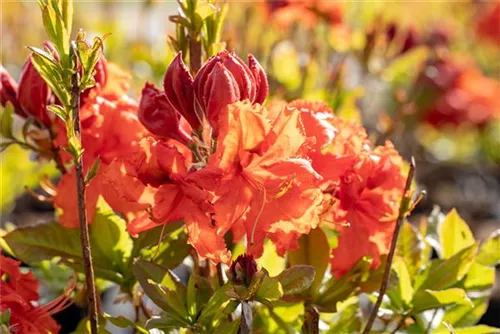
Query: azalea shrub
x=245, y=194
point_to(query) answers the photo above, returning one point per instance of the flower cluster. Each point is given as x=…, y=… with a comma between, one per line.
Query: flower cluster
x=458, y=94
x=288, y=12
x=19, y=297
x=220, y=161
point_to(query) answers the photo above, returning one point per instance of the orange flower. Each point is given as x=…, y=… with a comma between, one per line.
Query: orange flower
x=361, y=186
x=19, y=294
x=262, y=186
x=460, y=95
x=157, y=176
x=487, y=25
x=307, y=12
x=110, y=128
x=368, y=199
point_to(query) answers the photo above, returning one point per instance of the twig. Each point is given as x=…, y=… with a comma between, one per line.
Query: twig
x=220, y=277
x=400, y=323
x=402, y=211
x=84, y=227
x=311, y=321
x=194, y=53
x=429, y=326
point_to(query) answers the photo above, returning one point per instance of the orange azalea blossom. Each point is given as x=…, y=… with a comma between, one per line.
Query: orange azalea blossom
x=361, y=186
x=464, y=95
x=19, y=295
x=261, y=184
x=110, y=128
x=306, y=12
x=157, y=176
x=487, y=26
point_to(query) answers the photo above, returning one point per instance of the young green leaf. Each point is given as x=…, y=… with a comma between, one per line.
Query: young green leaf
x=164, y=288
x=454, y=235
x=479, y=278
x=445, y=273
x=480, y=329
x=410, y=247
x=463, y=315
x=429, y=299
x=489, y=252
x=59, y=111
x=6, y=121
x=92, y=172
x=270, y=289
x=401, y=291
x=216, y=302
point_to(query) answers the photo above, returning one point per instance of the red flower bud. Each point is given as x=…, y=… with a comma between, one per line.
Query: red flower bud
x=178, y=85
x=8, y=91
x=243, y=269
x=260, y=79
x=159, y=117
x=226, y=79
x=33, y=94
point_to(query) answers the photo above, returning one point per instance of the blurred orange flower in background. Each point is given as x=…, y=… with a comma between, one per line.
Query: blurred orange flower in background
x=19, y=295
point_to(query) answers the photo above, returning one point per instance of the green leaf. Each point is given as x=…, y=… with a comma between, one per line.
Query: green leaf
x=401, y=290
x=52, y=72
x=296, y=279
x=164, y=289
x=6, y=122
x=481, y=329
x=489, y=252
x=32, y=244
x=479, y=278
x=5, y=317
x=111, y=243
x=270, y=289
x=429, y=299
x=409, y=247
x=88, y=56
x=454, y=235
x=216, y=302
x=199, y=292
x=336, y=290
x=58, y=111
x=151, y=237
x=92, y=172
x=465, y=315
x=445, y=273
x=348, y=319
x=55, y=26
x=171, y=251
x=123, y=322
x=164, y=322
x=314, y=251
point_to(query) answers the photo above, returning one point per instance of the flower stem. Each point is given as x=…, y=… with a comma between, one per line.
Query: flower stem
x=84, y=227
x=311, y=321
x=390, y=257
x=195, y=53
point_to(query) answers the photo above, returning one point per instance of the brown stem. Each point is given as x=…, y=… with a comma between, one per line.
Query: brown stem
x=311, y=320
x=194, y=53
x=399, y=222
x=220, y=277
x=400, y=323
x=82, y=214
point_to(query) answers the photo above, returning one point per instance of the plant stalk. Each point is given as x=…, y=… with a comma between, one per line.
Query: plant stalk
x=195, y=53
x=390, y=257
x=311, y=321
x=84, y=227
